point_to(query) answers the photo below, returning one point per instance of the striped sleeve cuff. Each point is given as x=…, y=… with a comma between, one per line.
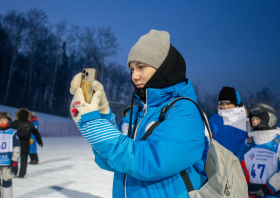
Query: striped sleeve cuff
x=110, y=117
x=90, y=116
x=99, y=130
x=101, y=135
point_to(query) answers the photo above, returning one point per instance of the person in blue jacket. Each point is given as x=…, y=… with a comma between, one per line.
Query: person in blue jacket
x=230, y=124
x=33, y=142
x=149, y=168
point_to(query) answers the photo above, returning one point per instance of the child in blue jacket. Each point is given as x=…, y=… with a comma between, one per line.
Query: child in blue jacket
x=259, y=155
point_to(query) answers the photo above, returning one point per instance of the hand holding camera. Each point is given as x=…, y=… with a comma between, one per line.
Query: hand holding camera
x=80, y=107
x=103, y=105
x=85, y=87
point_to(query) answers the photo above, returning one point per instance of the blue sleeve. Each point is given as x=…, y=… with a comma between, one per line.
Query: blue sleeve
x=176, y=144
x=110, y=117
x=36, y=124
x=101, y=162
x=16, y=140
x=207, y=144
x=213, y=126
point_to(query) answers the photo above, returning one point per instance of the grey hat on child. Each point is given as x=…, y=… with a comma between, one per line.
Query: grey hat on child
x=151, y=48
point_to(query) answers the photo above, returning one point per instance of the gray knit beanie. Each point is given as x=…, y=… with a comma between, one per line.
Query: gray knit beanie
x=151, y=48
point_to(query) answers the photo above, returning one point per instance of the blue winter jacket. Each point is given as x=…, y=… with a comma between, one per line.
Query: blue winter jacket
x=151, y=168
x=228, y=136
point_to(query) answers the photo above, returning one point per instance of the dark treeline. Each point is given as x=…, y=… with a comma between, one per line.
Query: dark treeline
x=38, y=61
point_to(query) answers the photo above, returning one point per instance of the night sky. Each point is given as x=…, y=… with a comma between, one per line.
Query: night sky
x=224, y=43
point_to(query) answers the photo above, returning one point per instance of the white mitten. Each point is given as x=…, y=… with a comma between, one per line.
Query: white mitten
x=96, y=86
x=75, y=83
x=79, y=107
x=104, y=105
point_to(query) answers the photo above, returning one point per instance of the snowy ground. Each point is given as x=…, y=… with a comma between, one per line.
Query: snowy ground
x=66, y=169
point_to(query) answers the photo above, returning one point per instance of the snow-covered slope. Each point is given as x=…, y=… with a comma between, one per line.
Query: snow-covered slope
x=66, y=169
x=66, y=164
x=50, y=125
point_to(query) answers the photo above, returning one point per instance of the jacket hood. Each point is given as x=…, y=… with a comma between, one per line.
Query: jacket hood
x=166, y=82
x=155, y=97
x=171, y=71
x=23, y=114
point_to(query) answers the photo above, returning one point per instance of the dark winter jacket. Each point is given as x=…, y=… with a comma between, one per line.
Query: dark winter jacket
x=24, y=129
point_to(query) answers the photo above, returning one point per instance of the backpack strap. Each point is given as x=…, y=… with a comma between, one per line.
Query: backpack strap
x=187, y=180
x=150, y=130
x=163, y=112
x=166, y=108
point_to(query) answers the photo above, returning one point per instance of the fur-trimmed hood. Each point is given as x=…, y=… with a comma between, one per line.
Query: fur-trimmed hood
x=23, y=114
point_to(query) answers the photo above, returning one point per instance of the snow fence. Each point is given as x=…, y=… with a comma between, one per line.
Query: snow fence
x=58, y=129
x=57, y=126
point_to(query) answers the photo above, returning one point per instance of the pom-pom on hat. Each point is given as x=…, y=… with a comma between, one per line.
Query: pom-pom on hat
x=229, y=95
x=151, y=49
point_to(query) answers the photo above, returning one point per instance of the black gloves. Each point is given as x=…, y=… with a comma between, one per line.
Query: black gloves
x=263, y=192
x=258, y=190
x=41, y=144
x=14, y=167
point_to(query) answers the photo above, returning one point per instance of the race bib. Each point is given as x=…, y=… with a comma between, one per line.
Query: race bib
x=261, y=164
x=6, y=144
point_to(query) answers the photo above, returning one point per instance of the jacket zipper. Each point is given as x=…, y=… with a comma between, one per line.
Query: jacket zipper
x=146, y=108
x=125, y=185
